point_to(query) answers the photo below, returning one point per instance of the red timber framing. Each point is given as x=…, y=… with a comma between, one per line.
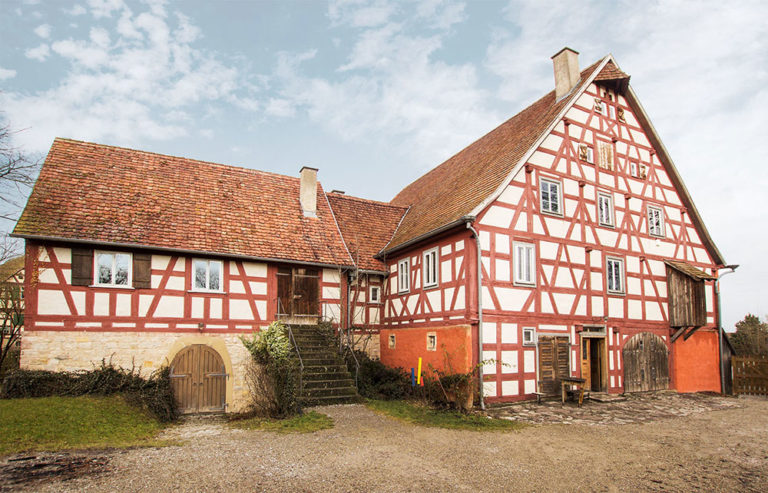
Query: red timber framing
x=571, y=249
x=247, y=301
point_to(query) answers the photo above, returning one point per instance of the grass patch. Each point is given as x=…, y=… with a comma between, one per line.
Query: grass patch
x=56, y=423
x=308, y=422
x=438, y=418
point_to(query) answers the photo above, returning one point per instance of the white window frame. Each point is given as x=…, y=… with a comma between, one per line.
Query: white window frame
x=651, y=229
x=404, y=275
x=610, y=220
x=377, y=290
x=517, y=278
x=532, y=339
x=208, y=263
x=431, y=269
x=634, y=169
x=622, y=276
x=129, y=282
x=431, y=335
x=559, y=186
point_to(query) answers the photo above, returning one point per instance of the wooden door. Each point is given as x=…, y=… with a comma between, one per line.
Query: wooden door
x=199, y=380
x=298, y=292
x=553, y=363
x=586, y=369
x=646, y=363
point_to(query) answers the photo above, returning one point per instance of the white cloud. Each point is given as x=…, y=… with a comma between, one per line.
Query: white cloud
x=280, y=107
x=43, y=30
x=6, y=73
x=135, y=77
x=40, y=53
x=105, y=8
x=76, y=10
x=394, y=88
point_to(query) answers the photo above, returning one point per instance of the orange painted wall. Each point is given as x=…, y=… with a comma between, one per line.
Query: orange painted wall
x=410, y=344
x=696, y=362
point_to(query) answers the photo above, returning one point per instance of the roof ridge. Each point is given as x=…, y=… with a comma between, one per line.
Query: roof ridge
x=361, y=199
x=196, y=161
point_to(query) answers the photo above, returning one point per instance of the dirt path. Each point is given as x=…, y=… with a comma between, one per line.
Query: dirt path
x=719, y=450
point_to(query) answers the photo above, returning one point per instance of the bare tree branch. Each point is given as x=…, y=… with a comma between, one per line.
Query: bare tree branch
x=17, y=175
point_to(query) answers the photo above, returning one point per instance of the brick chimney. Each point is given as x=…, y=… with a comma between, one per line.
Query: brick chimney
x=566, y=65
x=308, y=191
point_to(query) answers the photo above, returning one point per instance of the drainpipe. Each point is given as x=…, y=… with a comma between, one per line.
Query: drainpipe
x=479, y=310
x=720, y=323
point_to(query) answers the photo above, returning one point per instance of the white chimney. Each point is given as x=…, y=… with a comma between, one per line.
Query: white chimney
x=308, y=191
x=566, y=64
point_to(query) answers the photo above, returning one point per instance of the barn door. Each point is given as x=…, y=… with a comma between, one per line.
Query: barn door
x=553, y=362
x=646, y=363
x=199, y=380
x=298, y=292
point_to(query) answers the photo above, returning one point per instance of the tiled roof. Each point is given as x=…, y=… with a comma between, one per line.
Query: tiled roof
x=611, y=72
x=109, y=194
x=366, y=226
x=689, y=270
x=453, y=189
x=11, y=267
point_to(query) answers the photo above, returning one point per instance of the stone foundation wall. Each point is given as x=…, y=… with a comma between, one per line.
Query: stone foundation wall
x=147, y=351
x=368, y=342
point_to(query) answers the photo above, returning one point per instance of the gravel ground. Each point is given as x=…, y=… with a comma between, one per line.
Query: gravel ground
x=719, y=450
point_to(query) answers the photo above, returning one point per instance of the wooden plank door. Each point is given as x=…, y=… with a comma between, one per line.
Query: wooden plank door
x=553, y=363
x=199, y=380
x=586, y=370
x=646, y=363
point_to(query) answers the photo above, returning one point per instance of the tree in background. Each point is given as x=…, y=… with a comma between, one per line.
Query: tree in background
x=751, y=337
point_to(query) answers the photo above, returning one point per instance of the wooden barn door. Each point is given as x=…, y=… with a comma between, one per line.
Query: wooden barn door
x=199, y=380
x=553, y=362
x=646, y=363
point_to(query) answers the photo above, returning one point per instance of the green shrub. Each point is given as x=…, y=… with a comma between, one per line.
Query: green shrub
x=153, y=393
x=11, y=361
x=378, y=381
x=273, y=373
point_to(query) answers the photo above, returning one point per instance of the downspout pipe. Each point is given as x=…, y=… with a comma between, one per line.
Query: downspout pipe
x=479, y=311
x=720, y=333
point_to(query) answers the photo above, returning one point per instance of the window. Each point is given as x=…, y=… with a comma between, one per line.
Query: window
x=633, y=169
x=586, y=153
x=605, y=209
x=614, y=273
x=605, y=155
x=431, y=341
x=430, y=268
x=529, y=336
x=206, y=275
x=392, y=341
x=375, y=294
x=599, y=106
x=403, y=276
x=525, y=264
x=655, y=221
x=550, y=196
x=113, y=269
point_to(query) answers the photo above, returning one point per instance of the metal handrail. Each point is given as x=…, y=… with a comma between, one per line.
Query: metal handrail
x=298, y=353
x=357, y=363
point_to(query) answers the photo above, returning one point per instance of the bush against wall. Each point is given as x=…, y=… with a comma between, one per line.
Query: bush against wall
x=378, y=381
x=273, y=373
x=153, y=393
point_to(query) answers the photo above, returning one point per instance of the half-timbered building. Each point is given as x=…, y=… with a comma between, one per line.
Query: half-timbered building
x=562, y=243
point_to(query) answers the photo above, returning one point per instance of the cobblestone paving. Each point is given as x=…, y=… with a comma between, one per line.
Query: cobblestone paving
x=637, y=408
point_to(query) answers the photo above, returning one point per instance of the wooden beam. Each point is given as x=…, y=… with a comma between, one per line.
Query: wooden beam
x=678, y=333
x=690, y=332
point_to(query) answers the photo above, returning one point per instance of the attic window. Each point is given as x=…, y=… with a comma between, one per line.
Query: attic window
x=643, y=171
x=605, y=154
x=620, y=114
x=375, y=294
x=599, y=106
x=655, y=221
x=633, y=169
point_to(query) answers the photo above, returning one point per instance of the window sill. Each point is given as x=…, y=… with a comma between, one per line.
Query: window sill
x=553, y=214
x=110, y=286
x=518, y=284
x=609, y=226
x=205, y=291
x=615, y=293
x=431, y=286
x=403, y=292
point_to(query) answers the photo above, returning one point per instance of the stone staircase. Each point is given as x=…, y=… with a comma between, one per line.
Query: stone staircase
x=326, y=378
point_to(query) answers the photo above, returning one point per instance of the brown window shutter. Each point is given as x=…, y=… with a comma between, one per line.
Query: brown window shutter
x=142, y=270
x=82, y=266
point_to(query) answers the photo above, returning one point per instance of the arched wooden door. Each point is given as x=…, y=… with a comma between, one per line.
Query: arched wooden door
x=199, y=380
x=646, y=363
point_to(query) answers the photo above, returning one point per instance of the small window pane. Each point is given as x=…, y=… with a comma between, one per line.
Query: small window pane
x=214, y=276
x=104, y=263
x=201, y=269
x=122, y=268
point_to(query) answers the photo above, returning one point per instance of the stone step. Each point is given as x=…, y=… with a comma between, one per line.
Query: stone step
x=321, y=361
x=330, y=391
x=329, y=384
x=327, y=401
x=340, y=374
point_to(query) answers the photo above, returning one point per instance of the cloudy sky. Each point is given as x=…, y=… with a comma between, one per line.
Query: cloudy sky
x=374, y=93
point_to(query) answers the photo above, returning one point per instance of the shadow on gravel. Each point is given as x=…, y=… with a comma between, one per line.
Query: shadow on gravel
x=25, y=471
